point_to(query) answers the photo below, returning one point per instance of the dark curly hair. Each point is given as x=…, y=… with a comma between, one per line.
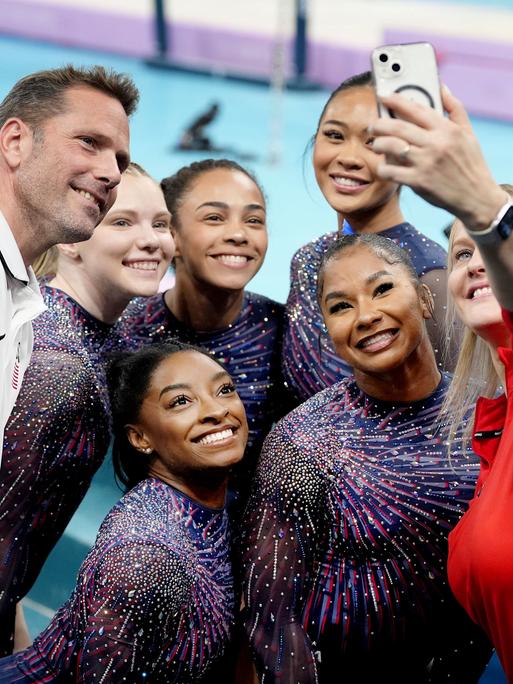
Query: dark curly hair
x=381, y=246
x=129, y=377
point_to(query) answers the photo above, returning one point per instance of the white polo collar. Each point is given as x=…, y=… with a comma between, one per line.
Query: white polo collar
x=10, y=253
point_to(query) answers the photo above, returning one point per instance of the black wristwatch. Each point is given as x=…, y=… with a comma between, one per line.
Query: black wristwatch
x=499, y=229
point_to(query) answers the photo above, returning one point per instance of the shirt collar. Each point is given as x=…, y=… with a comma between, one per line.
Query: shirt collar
x=10, y=253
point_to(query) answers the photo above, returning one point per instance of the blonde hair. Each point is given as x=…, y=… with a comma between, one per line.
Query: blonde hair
x=475, y=373
x=47, y=263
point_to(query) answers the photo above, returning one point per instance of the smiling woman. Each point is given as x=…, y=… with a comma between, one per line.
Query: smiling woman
x=59, y=431
x=192, y=430
x=220, y=229
x=345, y=533
x=478, y=372
x=154, y=599
x=480, y=547
x=127, y=254
x=345, y=166
x=376, y=318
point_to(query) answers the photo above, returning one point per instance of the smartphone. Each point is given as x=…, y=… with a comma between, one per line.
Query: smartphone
x=409, y=69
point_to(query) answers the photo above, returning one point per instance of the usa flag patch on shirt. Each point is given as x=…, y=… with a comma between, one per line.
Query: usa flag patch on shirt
x=16, y=371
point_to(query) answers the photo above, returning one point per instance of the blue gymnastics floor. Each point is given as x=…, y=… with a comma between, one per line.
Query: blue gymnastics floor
x=297, y=213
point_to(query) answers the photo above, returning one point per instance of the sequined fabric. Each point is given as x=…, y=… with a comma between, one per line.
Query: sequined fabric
x=55, y=440
x=250, y=348
x=345, y=545
x=309, y=360
x=154, y=598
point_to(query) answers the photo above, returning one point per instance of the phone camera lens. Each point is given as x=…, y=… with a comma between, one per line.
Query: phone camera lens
x=396, y=67
x=383, y=57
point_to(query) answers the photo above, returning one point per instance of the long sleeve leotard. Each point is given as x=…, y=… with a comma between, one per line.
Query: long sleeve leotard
x=345, y=546
x=154, y=599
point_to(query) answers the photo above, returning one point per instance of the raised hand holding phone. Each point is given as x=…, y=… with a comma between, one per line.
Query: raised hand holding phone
x=444, y=164
x=438, y=157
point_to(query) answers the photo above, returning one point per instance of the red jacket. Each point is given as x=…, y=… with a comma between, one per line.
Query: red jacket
x=481, y=545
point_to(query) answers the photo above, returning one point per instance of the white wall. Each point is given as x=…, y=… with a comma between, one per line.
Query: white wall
x=359, y=22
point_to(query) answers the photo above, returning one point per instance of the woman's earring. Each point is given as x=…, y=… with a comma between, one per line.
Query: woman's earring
x=148, y=450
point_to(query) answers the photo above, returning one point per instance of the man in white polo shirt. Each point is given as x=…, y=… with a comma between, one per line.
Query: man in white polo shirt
x=20, y=302
x=64, y=143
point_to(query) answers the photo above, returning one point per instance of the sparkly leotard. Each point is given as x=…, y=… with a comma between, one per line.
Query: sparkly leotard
x=250, y=349
x=154, y=599
x=309, y=360
x=345, y=545
x=55, y=440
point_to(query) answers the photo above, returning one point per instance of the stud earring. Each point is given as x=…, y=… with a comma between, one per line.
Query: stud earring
x=148, y=450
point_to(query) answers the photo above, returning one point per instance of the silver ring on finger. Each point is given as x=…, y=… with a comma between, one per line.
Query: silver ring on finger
x=403, y=154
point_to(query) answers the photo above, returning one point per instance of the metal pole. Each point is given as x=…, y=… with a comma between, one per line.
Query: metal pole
x=162, y=59
x=300, y=41
x=160, y=28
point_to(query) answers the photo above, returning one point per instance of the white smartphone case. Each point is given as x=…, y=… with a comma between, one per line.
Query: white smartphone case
x=409, y=69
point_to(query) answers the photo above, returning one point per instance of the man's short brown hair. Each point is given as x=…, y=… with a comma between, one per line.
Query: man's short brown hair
x=40, y=96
